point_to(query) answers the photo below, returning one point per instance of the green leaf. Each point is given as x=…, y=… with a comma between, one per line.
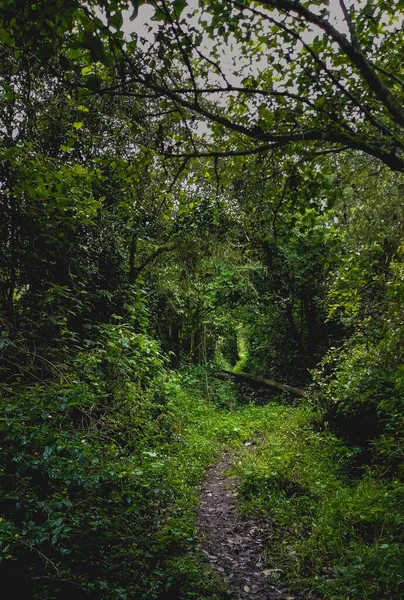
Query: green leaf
x=116, y=20
x=179, y=6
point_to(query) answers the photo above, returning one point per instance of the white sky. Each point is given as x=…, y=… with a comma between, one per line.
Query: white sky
x=144, y=26
x=144, y=19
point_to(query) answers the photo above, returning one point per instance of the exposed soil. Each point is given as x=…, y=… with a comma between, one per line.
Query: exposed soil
x=234, y=545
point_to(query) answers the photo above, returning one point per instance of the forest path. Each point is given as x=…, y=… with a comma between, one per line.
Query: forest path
x=234, y=545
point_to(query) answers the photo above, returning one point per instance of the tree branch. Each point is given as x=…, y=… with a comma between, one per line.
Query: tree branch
x=348, y=20
x=149, y=259
x=261, y=381
x=352, y=51
x=367, y=113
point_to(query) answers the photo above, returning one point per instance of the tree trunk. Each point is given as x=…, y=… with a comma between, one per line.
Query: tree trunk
x=267, y=383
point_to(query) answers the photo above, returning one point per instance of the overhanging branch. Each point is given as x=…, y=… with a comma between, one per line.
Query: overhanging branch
x=352, y=51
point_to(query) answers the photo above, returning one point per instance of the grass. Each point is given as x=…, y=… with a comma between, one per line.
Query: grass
x=202, y=432
x=133, y=489
x=332, y=536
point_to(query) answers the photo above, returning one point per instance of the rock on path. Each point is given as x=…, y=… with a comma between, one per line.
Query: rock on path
x=233, y=544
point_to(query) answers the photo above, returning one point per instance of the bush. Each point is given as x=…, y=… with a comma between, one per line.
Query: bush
x=358, y=389
x=100, y=474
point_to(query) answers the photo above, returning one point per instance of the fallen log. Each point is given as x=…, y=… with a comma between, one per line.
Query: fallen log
x=254, y=380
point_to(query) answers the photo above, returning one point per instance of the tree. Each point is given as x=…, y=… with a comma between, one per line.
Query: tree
x=318, y=85
x=323, y=87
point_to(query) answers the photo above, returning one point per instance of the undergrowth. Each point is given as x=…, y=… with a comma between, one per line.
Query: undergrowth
x=101, y=502
x=100, y=475
x=99, y=478
x=333, y=536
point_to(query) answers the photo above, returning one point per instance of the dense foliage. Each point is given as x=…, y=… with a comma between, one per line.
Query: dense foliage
x=170, y=208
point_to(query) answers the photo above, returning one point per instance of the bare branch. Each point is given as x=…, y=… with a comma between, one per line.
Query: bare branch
x=349, y=22
x=176, y=176
x=247, y=91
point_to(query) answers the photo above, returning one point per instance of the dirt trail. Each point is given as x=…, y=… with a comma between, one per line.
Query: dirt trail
x=234, y=545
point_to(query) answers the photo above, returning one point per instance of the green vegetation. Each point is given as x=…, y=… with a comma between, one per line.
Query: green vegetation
x=101, y=497
x=338, y=536
x=167, y=214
